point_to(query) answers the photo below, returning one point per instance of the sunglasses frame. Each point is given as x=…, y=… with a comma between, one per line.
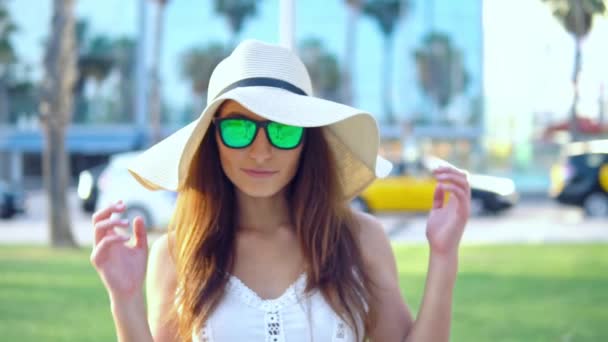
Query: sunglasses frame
x=258, y=124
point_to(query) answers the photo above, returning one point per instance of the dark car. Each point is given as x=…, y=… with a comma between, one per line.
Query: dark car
x=490, y=202
x=88, y=189
x=581, y=177
x=12, y=201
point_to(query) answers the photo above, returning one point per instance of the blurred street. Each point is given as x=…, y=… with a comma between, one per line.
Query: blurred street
x=533, y=220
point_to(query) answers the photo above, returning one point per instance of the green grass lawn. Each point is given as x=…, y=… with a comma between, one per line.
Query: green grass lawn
x=503, y=293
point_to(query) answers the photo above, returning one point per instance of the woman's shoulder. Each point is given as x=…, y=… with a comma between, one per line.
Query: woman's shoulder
x=161, y=285
x=375, y=245
x=369, y=229
x=161, y=265
x=163, y=246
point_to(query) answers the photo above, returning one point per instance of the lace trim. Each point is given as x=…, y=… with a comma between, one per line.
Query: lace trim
x=250, y=297
x=204, y=334
x=340, y=331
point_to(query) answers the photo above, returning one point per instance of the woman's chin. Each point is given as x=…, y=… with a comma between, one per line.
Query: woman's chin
x=260, y=192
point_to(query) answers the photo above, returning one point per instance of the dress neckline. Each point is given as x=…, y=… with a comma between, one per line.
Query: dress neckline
x=250, y=297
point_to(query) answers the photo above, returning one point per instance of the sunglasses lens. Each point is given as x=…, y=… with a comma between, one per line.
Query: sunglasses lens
x=284, y=136
x=237, y=133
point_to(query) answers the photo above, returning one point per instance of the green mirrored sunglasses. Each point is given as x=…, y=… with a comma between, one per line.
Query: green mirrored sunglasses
x=240, y=132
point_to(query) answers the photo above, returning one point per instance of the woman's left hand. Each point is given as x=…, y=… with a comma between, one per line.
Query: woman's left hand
x=447, y=221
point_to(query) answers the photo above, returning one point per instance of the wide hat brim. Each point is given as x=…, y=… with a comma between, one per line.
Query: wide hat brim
x=351, y=133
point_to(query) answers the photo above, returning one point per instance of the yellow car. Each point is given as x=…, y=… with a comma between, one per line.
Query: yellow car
x=410, y=188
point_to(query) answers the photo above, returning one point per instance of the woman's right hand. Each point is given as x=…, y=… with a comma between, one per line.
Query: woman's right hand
x=121, y=263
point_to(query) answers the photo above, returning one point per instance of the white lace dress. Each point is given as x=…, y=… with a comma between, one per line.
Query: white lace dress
x=293, y=317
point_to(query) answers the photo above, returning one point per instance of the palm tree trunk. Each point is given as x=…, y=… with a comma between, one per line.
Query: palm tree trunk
x=56, y=113
x=574, y=133
x=387, y=80
x=155, y=99
x=127, y=105
x=354, y=11
x=57, y=166
x=4, y=106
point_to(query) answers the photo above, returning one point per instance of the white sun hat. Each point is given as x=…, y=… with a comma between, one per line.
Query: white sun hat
x=271, y=81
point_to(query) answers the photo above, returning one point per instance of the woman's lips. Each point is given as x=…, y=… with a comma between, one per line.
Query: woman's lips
x=255, y=173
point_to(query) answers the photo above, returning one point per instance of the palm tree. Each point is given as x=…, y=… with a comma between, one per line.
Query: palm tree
x=387, y=14
x=123, y=52
x=197, y=65
x=97, y=64
x=80, y=103
x=354, y=11
x=440, y=68
x=98, y=58
x=236, y=12
x=155, y=98
x=56, y=110
x=95, y=61
x=323, y=68
x=7, y=59
x=577, y=18
x=23, y=98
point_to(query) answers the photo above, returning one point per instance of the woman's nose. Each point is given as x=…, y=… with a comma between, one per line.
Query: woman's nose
x=260, y=149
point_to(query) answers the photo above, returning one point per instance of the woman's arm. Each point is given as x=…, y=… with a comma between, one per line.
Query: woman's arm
x=161, y=284
x=121, y=263
x=131, y=319
x=395, y=322
x=434, y=318
x=445, y=227
x=394, y=319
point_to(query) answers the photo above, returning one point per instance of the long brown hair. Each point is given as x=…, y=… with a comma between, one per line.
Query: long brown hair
x=204, y=229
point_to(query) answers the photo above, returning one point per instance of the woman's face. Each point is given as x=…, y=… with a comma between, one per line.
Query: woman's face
x=259, y=170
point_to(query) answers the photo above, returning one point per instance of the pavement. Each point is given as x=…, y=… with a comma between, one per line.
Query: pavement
x=534, y=220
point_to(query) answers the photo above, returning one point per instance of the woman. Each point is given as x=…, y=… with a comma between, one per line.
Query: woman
x=263, y=245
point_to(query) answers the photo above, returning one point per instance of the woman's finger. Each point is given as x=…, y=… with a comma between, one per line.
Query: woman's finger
x=457, y=179
x=139, y=230
x=99, y=253
x=461, y=196
x=105, y=213
x=103, y=227
x=438, y=197
x=451, y=170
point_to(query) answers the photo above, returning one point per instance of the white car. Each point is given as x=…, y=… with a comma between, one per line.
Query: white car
x=116, y=183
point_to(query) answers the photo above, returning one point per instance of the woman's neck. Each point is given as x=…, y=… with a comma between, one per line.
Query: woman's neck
x=265, y=215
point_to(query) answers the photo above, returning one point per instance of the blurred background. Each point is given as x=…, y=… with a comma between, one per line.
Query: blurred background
x=514, y=91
